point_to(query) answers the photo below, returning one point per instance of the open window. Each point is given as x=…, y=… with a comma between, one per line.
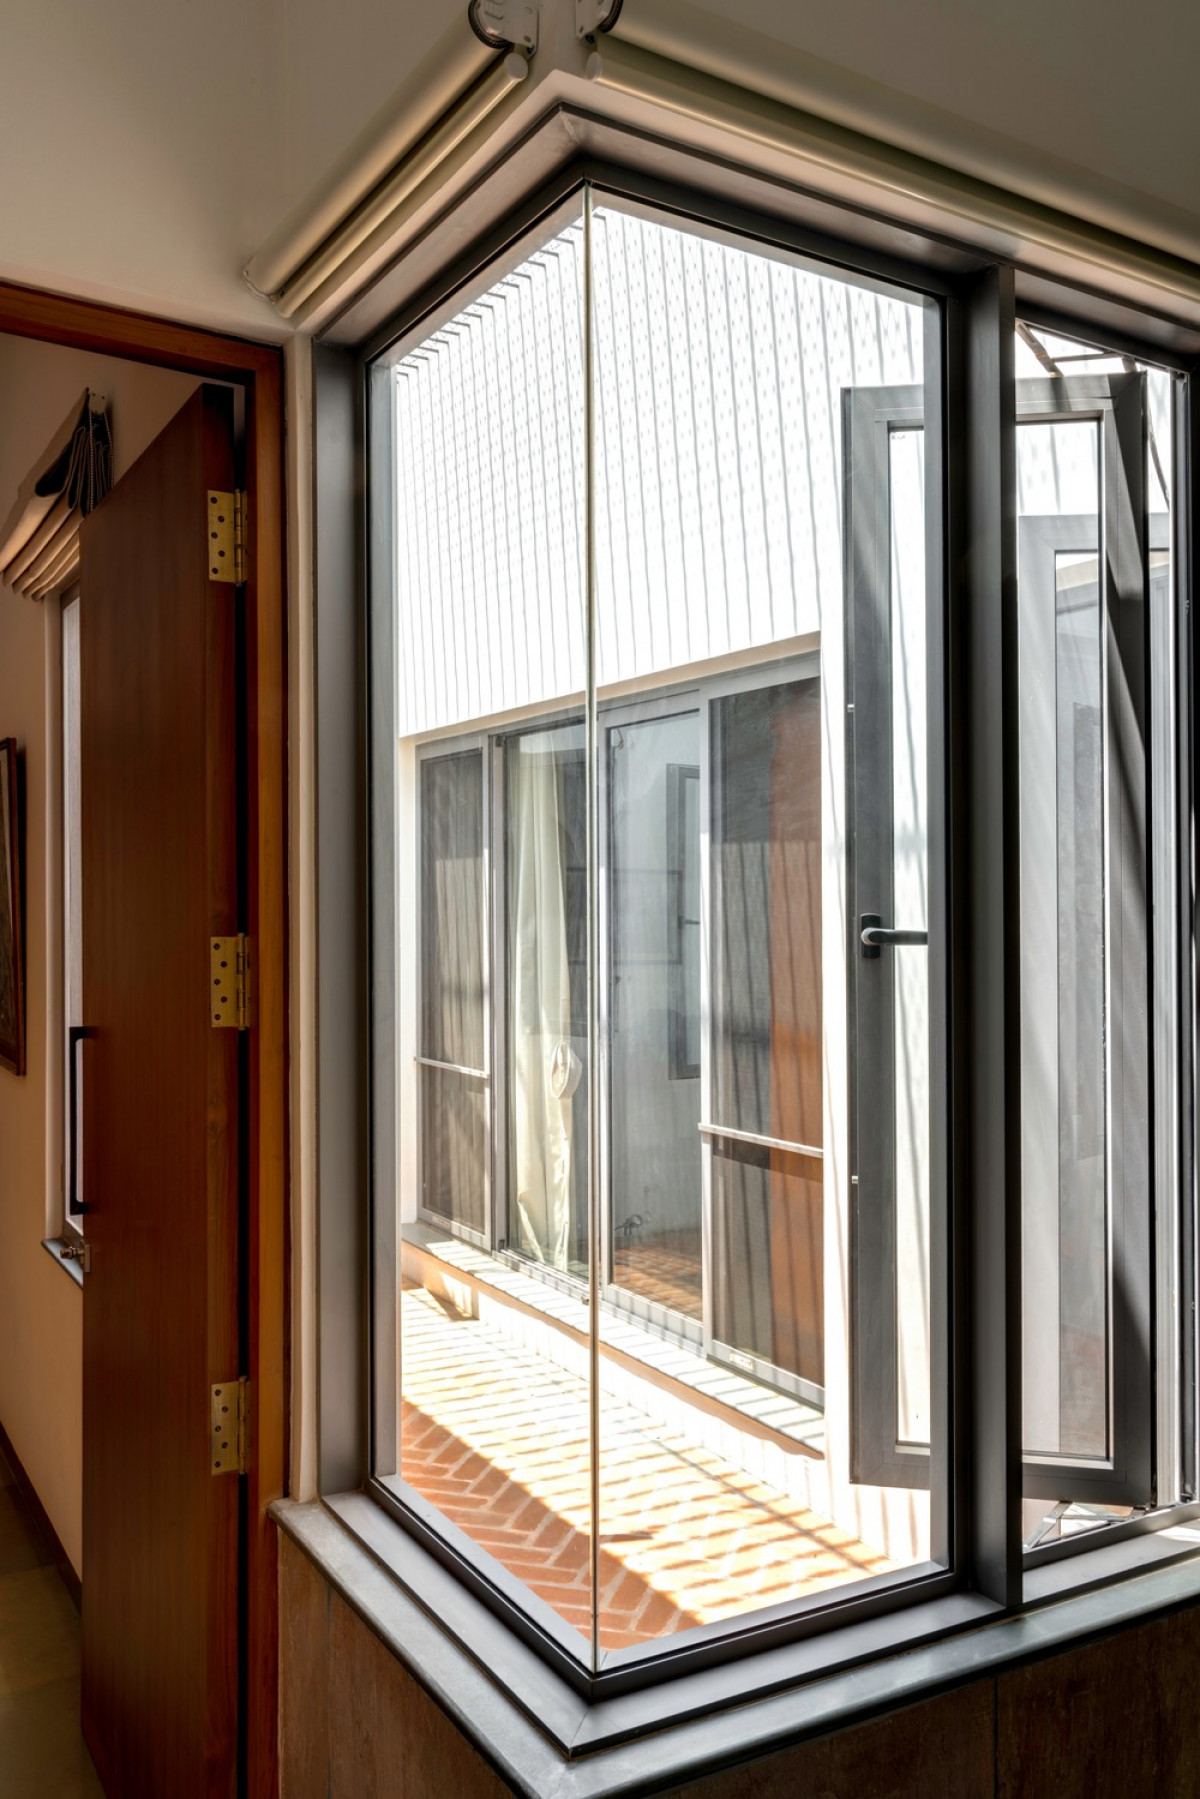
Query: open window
x=1086, y=543
x=1091, y=552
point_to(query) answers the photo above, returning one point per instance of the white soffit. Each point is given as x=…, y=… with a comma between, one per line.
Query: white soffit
x=805, y=135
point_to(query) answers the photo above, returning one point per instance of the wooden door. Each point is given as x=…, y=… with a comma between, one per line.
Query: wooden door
x=160, y=1120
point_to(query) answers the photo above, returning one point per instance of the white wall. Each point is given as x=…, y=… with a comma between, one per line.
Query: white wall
x=40, y=1307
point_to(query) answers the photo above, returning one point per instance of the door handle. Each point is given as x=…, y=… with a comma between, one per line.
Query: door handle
x=875, y=935
x=76, y=1036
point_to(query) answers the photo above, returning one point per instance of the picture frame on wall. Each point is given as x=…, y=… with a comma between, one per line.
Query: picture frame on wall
x=12, y=984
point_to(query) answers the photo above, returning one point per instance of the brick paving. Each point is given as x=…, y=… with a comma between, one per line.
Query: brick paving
x=497, y=1437
x=668, y=1275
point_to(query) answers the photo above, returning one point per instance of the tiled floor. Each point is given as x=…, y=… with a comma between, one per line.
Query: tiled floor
x=497, y=1437
x=42, y=1752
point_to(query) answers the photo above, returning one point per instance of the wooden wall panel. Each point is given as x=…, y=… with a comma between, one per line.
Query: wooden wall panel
x=354, y=1723
x=1117, y=1719
x=305, y=1603
x=945, y=1747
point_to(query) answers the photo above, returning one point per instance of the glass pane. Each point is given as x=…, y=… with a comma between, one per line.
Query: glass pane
x=910, y=972
x=492, y=1159
x=654, y=1173
x=723, y=379
x=769, y=1275
x=1067, y=1275
x=453, y=1162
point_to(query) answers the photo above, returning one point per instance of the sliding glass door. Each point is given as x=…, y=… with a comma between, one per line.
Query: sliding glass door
x=652, y=1025
x=764, y=1124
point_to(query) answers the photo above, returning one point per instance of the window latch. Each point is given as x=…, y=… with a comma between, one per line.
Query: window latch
x=876, y=935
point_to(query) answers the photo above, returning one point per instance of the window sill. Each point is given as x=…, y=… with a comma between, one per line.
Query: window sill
x=54, y=1247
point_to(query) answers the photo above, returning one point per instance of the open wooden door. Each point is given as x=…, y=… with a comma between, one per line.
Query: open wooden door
x=161, y=1117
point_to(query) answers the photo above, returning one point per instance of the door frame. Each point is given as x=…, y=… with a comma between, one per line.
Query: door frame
x=257, y=369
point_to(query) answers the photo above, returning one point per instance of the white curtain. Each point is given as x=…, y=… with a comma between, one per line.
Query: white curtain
x=540, y=998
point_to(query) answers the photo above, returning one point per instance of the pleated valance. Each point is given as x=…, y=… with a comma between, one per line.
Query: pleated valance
x=39, y=548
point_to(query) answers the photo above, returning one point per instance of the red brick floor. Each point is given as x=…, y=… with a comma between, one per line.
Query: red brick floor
x=497, y=1436
x=664, y=1272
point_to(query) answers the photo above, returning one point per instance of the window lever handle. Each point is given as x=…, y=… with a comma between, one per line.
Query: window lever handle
x=876, y=935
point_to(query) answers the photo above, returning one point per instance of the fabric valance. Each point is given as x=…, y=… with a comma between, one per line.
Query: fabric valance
x=39, y=547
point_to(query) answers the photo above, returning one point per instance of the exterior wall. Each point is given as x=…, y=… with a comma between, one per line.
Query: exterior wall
x=41, y=1371
x=1118, y=1717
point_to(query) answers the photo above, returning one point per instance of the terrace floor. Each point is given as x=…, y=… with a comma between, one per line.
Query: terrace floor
x=497, y=1436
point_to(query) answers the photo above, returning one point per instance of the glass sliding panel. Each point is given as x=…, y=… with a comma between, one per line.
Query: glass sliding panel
x=452, y=1072
x=653, y=991
x=546, y=927
x=768, y=1189
x=1087, y=1185
x=487, y=434
x=723, y=622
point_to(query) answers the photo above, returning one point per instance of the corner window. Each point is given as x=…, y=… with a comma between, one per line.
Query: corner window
x=668, y=771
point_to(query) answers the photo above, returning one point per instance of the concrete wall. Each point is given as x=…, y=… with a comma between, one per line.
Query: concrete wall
x=1107, y=1721
x=40, y=1307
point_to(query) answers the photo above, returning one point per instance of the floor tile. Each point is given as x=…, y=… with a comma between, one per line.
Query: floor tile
x=21, y=1544
x=39, y=1631
x=42, y=1751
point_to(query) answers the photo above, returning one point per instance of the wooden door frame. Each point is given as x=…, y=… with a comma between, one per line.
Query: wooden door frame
x=257, y=368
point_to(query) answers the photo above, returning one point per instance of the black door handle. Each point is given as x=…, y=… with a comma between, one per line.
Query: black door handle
x=76, y=1036
x=875, y=935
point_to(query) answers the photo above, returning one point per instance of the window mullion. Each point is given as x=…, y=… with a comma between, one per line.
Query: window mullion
x=985, y=927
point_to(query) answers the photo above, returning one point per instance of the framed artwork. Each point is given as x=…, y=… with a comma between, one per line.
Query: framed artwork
x=12, y=995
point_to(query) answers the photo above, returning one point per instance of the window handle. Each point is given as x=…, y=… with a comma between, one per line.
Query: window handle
x=875, y=935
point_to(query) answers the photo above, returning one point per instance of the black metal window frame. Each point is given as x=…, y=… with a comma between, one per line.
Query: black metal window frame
x=974, y=934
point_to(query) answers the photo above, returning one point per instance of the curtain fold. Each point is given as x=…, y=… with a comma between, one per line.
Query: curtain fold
x=540, y=999
x=39, y=546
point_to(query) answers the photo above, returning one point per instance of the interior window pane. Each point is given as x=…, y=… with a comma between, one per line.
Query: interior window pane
x=724, y=382
x=658, y=1183
x=496, y=1427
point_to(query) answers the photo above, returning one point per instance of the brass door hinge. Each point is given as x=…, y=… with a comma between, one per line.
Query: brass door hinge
x=226, y=525
x=229, y=983
x=227, y=1442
